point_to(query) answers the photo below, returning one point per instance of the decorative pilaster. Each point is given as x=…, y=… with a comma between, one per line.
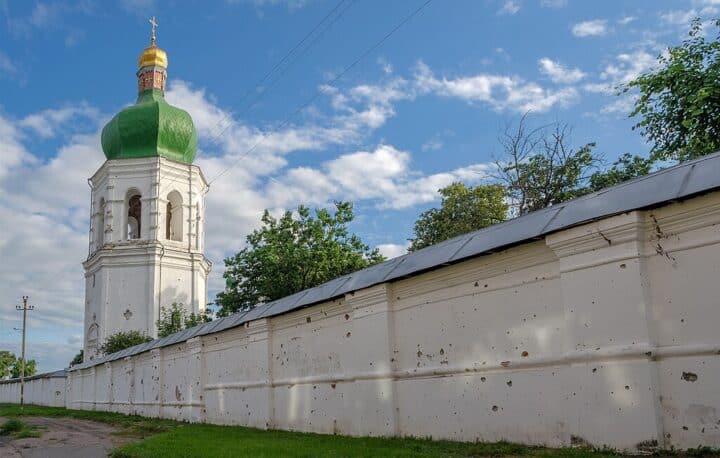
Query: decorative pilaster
x=373, y=323
x=129, y=374
x=93, y=378
x=604, y=283
x=110, y=389
x=158, y=380
x=259, y=335
x=196, y=353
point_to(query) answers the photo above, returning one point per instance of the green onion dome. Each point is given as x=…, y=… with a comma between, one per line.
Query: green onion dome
x=151, y=127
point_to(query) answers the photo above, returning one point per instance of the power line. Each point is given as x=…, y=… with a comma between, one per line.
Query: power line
x=317, y=94
x=332, y=17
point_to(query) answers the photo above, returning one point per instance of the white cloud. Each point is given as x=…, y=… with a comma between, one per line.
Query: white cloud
x=622, y=105
x=501, y=92
x=139, y=6
x=290, y=4
x=509, y=7
x=75, y=340
x=393, y=250
x=7, y=66
x=46, y=122
x=704, y=9
x=383, y=175
x=44, y=14
x=629, y=66
x=385, y=65
x=44, y=209
x=74, y=37
x=553, y=3
x=558, y=73
x=624, y=68
x=13, y=151
x=679, y=17
x=625, y=20
x=433, y=144
x=592, y=28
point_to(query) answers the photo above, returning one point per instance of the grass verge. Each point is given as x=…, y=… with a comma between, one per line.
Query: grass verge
x=130, y=425
x=18, y=429
x=195, y=440
x=159, y=438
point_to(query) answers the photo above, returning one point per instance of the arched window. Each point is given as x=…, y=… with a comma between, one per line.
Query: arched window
x=174, y=217
x=100, y=229
x=134, y=219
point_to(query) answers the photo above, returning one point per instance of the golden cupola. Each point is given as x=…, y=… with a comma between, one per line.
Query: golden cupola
x=152, y=56
x=152, y=65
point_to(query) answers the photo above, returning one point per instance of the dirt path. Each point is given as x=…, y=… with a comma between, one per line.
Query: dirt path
x=62, y=437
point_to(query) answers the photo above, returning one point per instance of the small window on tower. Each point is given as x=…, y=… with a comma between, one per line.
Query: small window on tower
x=134, y=217
x=174, y=217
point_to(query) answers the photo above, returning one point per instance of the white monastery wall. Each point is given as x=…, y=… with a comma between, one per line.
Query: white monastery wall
x=605, y=333
x=43, y=391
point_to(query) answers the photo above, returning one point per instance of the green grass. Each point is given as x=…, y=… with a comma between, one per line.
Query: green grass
x=18, y=429
x=157, y=438
x=229, y=441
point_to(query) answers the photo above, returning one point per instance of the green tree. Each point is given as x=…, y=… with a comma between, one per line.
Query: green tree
x=540, y=168
x=462, y=209
x=78, y=358
x=30, y=368
x=7, y=360
x=122, y=340
x=293, y=253
x=679, y=101
x=176, y=318
x=625, y=168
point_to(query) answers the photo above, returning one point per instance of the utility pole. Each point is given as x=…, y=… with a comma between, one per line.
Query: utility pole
x=25, y=307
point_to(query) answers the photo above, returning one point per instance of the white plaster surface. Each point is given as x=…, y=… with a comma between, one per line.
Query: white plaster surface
x=40, y=391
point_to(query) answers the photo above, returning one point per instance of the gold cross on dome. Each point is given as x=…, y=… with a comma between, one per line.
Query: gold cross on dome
x=154, y=24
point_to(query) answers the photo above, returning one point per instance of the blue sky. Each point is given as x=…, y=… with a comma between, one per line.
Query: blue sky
x=423, y=110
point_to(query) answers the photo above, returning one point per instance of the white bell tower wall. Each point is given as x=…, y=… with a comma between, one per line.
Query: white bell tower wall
x=146, y=246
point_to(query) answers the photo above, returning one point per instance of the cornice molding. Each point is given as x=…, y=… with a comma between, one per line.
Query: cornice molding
x=316, y=313
x=684, y=216
x=378, y=294
x=147, y=167
x=597, y=235
x=145, y=252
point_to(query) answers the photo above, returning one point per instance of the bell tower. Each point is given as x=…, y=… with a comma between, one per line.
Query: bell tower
x=146, y=240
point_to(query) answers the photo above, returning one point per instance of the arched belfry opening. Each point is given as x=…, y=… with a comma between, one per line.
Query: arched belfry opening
x=174, y=217
x=134, y=216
